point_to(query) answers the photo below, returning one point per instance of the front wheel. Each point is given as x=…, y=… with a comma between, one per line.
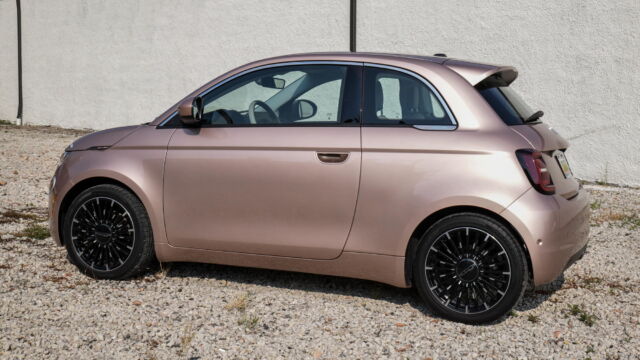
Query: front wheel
x=470, y=268
x=107, y=233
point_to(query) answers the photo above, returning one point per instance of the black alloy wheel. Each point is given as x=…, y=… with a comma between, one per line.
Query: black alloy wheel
x=108, y=234
x=102, y=233
x=470, y=268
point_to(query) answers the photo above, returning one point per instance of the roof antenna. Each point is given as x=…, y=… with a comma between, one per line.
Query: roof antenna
x=352, y=27
x=440, y=54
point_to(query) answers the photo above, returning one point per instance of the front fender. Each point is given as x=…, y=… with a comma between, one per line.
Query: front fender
x=139, y=168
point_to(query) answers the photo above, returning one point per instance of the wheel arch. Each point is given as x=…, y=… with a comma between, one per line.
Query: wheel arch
x=81, y=186
x=427, y=222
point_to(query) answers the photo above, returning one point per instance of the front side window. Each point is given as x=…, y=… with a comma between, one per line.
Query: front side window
x=287, y=95
x=396, y=98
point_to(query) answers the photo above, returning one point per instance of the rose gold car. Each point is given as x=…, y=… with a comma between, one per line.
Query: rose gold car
x=408, y=170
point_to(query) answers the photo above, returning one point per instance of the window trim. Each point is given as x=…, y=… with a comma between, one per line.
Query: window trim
x=263, y=67
x=435, y=91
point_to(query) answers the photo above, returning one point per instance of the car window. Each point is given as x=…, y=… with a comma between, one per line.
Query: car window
x=289, y=95
x=326, y=97
x=511, y=108
x=396, y=98
x=239, y=98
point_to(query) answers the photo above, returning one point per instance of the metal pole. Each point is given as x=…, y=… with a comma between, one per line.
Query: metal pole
x=352, y=27
x=19, y=26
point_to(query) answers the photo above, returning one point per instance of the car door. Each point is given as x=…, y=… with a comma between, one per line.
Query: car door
x=408, y=144
x=274, y=169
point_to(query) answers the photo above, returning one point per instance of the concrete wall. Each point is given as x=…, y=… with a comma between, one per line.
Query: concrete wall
x=8, y=61
x=97, y=64
x=578, y=60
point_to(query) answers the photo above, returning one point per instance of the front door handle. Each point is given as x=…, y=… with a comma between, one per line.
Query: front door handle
x=332, y=157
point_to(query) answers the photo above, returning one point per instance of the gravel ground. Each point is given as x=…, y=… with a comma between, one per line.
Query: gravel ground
x=47, y=309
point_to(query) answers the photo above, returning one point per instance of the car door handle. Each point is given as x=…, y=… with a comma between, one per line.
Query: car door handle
x=332, y=157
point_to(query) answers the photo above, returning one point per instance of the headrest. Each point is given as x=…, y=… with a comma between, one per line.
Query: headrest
x=379, y=96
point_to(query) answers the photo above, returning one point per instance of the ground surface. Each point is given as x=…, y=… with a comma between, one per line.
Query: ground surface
x=48, y=309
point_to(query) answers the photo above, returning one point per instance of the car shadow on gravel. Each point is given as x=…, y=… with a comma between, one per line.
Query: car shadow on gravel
x=532, y=299
x=331, y=285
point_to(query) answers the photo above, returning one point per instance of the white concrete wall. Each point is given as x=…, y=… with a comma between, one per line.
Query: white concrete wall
x=98, y=64
x=578, y=60
x=8, y=61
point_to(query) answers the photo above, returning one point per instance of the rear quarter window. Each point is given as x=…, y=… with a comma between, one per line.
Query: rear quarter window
x=396, y=98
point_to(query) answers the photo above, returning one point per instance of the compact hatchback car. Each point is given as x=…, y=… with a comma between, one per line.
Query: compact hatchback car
x=407, y=170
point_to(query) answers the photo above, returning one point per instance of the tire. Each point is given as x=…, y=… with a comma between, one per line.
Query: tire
x=108, y=234
x=461, y=267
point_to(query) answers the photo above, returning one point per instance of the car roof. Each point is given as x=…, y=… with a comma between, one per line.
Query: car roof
x=359, y=56
x=472, y=71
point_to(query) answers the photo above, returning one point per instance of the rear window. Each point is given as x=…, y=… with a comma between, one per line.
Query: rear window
x=507, y=104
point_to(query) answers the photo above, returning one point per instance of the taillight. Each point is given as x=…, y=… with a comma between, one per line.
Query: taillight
x=536, y=170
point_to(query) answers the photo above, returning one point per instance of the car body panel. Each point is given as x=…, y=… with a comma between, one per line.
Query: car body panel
x=475, y=72
x=543, y=138
x=553, y=228
x=381, y=268
x=103, y=138
x=262, y=190
x=408, y=174
x=137, y=162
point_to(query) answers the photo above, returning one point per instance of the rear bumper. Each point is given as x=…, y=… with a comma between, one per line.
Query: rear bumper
x=555, y=231
x=575, y=257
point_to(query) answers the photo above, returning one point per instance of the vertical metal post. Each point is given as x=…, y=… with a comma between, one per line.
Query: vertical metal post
x=19, y=26
x=352, y=27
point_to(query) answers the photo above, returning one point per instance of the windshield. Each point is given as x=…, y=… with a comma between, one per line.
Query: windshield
x=508, y=104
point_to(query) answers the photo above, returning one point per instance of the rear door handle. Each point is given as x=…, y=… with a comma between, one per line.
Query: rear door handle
x=332, y=157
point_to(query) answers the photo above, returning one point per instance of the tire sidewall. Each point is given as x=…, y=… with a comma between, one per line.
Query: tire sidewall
x=519, y=274
x=139, y=221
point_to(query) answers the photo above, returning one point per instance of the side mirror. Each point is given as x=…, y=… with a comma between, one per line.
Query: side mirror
x=304, y=109
x=190, y=111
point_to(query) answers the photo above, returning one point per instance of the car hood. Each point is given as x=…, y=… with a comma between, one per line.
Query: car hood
x=102, y=139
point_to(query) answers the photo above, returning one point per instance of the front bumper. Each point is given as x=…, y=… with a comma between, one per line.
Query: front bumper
x=53, y=211
x=555, y=231
x=59, y=184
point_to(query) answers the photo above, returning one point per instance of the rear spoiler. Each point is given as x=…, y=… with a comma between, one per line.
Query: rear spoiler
x=483, y=75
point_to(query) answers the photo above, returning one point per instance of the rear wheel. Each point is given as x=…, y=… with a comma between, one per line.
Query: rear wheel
x=107, y=233
x=470, y=268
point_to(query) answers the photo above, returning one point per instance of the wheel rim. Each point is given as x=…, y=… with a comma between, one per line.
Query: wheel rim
x=102, y=233
x=468, y=270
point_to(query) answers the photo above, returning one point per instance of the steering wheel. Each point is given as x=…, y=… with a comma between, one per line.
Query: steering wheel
x=225, y=115
x=273, y=118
